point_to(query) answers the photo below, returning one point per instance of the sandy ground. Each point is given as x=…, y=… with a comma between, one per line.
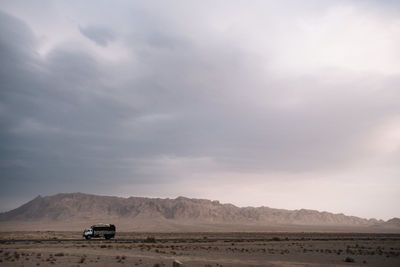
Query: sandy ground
x=275, y=249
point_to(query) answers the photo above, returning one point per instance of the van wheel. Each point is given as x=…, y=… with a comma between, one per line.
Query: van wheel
x=107, y=237
x=87, y=237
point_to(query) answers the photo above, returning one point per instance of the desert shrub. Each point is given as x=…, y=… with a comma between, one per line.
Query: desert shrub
x=276, y=238
x=60, y=254
x=349, y=259
x=150, y=239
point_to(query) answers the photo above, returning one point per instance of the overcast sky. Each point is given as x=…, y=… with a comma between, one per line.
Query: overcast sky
x=286, y=104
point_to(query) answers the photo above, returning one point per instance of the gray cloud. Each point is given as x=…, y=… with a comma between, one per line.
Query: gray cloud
x=186, y=100
x=100, y=35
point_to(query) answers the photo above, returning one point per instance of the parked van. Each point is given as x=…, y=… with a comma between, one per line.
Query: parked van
x=100, y=230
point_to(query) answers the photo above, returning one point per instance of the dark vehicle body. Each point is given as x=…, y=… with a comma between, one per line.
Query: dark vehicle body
x=100, y=230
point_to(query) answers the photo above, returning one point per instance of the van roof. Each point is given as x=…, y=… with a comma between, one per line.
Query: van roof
x=102, y=225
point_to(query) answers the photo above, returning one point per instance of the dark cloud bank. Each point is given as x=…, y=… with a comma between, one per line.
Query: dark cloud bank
x=73, y=122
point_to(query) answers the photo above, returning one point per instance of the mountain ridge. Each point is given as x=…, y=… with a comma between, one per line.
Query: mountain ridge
x=149, y=212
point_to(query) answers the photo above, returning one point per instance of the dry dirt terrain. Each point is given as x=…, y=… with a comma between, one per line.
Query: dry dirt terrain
x=200, y=249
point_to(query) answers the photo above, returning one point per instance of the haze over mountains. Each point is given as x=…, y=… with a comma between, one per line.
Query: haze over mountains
x=77, y=210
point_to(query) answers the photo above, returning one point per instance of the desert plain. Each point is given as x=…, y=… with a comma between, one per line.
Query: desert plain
x=61, y=248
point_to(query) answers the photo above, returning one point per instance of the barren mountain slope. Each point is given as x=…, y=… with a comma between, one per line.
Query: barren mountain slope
x=84, y=206
x=170, y=213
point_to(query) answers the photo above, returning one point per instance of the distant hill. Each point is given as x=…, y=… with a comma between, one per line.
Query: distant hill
x=76, y=210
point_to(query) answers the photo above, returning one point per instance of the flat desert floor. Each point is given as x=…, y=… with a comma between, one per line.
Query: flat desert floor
x=200, y=249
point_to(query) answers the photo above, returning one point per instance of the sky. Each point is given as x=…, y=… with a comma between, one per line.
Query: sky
x=285, y=104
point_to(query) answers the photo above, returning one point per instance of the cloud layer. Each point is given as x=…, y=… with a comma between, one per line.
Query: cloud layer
x=288, y=105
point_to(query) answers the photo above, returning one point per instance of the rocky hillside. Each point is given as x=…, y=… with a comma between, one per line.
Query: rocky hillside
x=85, y=207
